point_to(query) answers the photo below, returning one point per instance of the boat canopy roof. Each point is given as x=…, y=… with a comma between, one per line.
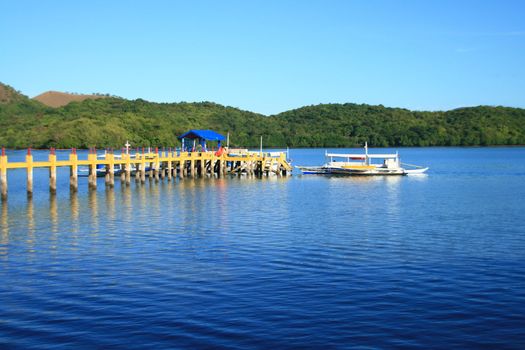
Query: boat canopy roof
x=202, y=134
x=362, y=156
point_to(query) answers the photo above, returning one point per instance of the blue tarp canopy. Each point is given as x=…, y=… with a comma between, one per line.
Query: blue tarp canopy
x=202, y=134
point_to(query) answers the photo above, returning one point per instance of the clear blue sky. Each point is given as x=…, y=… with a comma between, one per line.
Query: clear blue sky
x=270, y=56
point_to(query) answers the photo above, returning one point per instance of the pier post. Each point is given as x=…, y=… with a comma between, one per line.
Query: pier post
x=52, y=172
x=162, y=170
x=3, y=174
x=92, y=178
x=163, y=164
x=122, y=167
x=192, y=165
x=156, y=165
x=29, y=161
x=73, y=171
x=127, y=170
x=111, y=169
x=250, y=167
x=213, y=164
x=137, y=166
x=170, y=166
x=151, y=170
x=181, y=169
x=106, y=166
x=143, y=168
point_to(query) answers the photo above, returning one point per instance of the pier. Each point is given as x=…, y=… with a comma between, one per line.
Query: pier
x=157, y=165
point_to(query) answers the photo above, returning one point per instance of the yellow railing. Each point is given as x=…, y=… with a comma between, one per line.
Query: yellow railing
x=160, y=164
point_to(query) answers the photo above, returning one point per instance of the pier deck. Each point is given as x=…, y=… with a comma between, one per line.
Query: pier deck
x=157, y=165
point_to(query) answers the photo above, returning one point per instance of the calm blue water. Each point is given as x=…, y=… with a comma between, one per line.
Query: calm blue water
x=304, y=262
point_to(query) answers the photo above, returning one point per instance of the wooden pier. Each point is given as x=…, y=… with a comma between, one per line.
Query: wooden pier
x=156, y=165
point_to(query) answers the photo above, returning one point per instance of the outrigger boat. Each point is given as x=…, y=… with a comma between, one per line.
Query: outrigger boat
x=363, y=164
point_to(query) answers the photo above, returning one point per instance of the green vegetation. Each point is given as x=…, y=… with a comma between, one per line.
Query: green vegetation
x=109, y=122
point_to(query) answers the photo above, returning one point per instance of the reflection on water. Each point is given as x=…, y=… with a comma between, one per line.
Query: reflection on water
x=93, y=208
x=5, y=230
x=376, y=262
x=53, y=213
x=75, y=211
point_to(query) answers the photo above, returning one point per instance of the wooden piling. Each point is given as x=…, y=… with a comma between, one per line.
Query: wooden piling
x=127, y=170
x=137, y=166
x=106, y=176
x=137, y=172
x=92, y=177
x=111, y=169
x=122, y=167
x=3, y=174
x=221, y=166
x=143, y=168
x=52, y=172
x=156, y=165
x=73, y=171
x=29, y=161
x=182, y=169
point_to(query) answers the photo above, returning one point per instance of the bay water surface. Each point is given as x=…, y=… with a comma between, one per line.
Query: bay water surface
x=434, y=261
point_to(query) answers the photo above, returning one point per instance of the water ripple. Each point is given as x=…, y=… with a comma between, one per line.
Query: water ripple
x=302, y=262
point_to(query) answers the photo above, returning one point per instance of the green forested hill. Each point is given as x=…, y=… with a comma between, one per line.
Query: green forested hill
x=339, y=125
x=110, y=122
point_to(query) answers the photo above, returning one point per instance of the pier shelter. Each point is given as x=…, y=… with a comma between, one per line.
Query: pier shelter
x=199, y=138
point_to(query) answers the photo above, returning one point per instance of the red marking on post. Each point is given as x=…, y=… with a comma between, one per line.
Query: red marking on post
x=156, y=150
x=3, y=151
x=52, y=151
x=29, y=151
x=142, y=150
x=74, y=150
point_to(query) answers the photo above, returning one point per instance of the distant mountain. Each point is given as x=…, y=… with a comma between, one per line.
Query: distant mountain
x=110, y=121
x=59, y=99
